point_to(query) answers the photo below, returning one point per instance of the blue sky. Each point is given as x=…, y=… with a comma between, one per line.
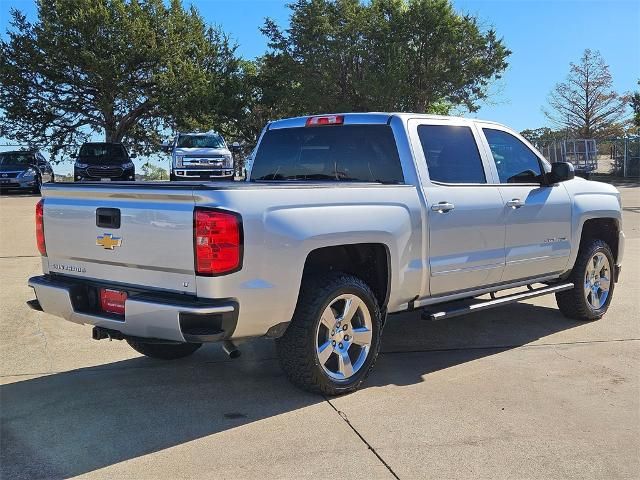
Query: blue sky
x=544, y=37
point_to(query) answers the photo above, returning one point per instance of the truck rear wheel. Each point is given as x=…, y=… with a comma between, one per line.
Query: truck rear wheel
x=334, y=337
x=164, y=351
x=592, y=276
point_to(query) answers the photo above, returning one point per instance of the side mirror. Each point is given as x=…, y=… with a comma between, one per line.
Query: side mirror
x=561, y=172
x=165, y=147
x=235, y=147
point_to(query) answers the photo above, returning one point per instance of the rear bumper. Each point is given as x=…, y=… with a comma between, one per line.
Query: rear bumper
x=147, y=315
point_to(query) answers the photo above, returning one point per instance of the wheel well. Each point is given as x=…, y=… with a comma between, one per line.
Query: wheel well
x=605, y=229
x=367, y=261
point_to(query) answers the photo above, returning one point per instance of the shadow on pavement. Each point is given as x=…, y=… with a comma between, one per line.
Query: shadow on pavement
x=70, y=423
x=11, y=193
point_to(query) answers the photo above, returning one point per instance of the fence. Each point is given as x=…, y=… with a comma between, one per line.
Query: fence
x=582, y=153
x=625, y=153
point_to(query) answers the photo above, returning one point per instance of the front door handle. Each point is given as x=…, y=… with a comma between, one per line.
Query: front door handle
x=515, y=203
x=442, y=207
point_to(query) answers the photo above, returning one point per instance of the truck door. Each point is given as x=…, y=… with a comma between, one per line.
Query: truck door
x=464, y=209
x=537, y=215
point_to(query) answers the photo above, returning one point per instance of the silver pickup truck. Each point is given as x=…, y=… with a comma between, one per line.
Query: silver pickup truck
x=344, y=220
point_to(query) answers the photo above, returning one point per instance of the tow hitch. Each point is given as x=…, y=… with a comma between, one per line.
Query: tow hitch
x=100, y=333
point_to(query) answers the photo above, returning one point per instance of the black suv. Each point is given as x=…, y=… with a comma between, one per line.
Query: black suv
x=103, y=161
x=24, y=170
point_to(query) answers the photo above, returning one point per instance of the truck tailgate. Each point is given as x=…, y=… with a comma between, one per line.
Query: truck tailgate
x=151, y=247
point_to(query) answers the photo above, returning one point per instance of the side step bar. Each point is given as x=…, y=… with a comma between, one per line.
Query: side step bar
x=456, y=311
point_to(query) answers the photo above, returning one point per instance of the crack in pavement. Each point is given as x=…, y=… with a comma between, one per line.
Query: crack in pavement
x=47, y=352
x=373, y=450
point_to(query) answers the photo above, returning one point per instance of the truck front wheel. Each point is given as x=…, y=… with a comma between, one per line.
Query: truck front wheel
x=334, y=337
x=592, y=276
x=164, y=351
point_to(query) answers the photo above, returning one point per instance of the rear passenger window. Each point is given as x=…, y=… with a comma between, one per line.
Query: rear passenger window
x=452, y=154
x=515, y=162
x=345, y=153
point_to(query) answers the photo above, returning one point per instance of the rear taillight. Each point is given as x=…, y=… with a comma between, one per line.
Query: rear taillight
x=217, y=241
x=325, y=120
x=42, y=248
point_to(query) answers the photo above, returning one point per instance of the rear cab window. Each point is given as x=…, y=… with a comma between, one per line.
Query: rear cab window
x=336, y=153
x=452, y=154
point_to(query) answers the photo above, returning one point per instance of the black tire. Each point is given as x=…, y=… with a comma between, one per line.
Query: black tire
x=164, y=351
x=36, y=187
x=172, y=178
x=573, y=303
x=297, y=347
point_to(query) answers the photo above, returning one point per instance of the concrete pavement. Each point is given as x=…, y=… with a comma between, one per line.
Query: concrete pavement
x=519, y=392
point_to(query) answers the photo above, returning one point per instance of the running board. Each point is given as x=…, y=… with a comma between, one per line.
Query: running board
x=456, y=311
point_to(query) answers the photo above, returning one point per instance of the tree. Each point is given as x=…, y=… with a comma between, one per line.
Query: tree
x=585, y=103
x=540, y=135
x=154, y=172
x=129, y=69
x=389, y=55
x=635, y=105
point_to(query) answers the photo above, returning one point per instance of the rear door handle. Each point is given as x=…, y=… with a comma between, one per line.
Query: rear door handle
x=442, y=207
x=515, y=203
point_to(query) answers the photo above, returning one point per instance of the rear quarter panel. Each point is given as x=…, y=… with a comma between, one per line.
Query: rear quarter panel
x=283, y=225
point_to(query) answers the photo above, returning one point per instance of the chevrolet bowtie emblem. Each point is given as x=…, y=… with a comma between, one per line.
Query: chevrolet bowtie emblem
x=108, y=241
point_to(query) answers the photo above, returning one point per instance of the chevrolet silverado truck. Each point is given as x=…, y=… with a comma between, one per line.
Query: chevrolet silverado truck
x=343, y=220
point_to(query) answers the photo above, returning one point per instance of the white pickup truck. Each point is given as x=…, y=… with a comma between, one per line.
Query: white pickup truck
x=344, y=220
x=200, y=156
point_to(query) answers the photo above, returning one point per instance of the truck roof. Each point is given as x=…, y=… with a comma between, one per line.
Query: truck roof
x=368, y=118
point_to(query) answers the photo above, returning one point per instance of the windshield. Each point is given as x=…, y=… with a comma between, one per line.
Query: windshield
x=102, y=150
x=16, y=158
x=349, y=153
x=200, y=141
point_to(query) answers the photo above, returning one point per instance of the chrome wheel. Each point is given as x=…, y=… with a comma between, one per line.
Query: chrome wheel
x=344, y=336
x=597, y=281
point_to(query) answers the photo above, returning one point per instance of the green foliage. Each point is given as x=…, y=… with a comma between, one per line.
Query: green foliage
x=136, y=69
x=385, y=55
x=539, y=135
x=154, y=172
x=635, y=105
x=128, y=69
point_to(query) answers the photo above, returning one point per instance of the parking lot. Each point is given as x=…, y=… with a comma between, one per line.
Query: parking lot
x=517, y=392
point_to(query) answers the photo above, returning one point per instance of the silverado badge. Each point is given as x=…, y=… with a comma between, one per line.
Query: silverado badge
x=108, y=241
